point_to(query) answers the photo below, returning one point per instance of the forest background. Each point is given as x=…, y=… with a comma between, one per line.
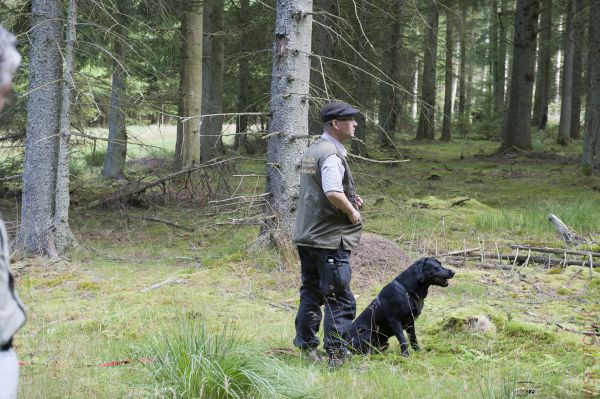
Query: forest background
x=149, y=155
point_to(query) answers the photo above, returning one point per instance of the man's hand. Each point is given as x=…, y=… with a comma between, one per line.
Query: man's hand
x=354, y=216
x=359, y=201
x=340, y=201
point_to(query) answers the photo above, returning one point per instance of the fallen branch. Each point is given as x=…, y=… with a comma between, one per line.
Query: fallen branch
x=500, y=266
x=460, y=201
x=537, y=288
x=555, y=250
x=577, y=331
x=168, y=223
x=459, y=252
x=254, y=220
x=241, y=197
x=168, y=281
x=8, y=178
x=386, y=161
x=534, y=259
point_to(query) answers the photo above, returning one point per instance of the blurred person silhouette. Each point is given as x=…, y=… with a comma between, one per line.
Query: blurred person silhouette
x=12, y=312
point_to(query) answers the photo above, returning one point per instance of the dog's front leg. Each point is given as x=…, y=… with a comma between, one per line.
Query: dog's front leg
x=412, y=336
x=396, y=327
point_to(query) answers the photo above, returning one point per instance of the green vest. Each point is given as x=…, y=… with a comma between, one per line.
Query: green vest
x=319, y=224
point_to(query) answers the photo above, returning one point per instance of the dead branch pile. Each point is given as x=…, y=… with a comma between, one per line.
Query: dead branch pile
x=195, y=184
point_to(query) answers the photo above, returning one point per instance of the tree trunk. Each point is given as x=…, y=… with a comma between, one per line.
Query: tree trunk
x=469, y=86
x=243, y=76
x=391, y=96
x=498, y=102
x=501, y=94
x=415, y=89
x=518, y=113
x=578, y=24
x=213, y=50
x=447, y=123
x=462, y=79
x=542, y=82
x=425, y=129
x=63, y=236
x=360, y=93
x=289, y=109
x=323, y=49
x=559, y=43
x=591, y=141
x=116, y=151
x=566, y=107
x=187, y=146
x=35, y=234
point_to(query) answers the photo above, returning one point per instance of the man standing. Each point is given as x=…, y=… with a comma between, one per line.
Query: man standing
x=328, y=227
x=12, y=314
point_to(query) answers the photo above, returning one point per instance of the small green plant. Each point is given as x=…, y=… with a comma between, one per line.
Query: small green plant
x=192, y=362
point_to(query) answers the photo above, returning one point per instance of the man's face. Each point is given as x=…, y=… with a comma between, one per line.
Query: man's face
x=344, y=128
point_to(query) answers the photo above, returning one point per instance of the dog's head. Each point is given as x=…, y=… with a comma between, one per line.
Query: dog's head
x=433, y=273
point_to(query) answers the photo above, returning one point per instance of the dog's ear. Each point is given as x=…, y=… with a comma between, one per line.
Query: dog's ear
x=419, y=274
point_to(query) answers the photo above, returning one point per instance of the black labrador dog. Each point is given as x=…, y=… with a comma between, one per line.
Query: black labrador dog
x=396, y=307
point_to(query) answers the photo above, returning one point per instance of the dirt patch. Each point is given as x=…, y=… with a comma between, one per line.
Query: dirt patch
x=377, y=260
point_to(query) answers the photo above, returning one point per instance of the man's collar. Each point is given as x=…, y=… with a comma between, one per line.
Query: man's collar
x=335, y=141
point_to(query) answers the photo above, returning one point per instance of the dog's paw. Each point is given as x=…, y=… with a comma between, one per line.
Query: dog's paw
x=405, y=354
x=416, y=348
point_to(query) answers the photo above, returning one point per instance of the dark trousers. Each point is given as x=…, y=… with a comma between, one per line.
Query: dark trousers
x=326, y=275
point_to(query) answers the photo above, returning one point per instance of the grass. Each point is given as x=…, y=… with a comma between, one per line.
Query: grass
x=191, y=362
x=580, y=214
x=99, y=305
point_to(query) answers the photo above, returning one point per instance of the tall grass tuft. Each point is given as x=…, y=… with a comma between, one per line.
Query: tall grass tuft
x=192, y=362
x=494, y=389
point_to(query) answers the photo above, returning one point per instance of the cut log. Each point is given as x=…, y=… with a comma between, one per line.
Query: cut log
x=568, y=234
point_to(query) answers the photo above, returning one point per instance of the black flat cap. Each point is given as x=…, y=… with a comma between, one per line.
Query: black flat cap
x=337, y=109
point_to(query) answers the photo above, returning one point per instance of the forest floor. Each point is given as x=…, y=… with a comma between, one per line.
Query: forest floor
x=133, y=278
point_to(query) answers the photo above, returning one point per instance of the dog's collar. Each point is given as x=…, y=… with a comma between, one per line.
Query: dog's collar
x=413, y=294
